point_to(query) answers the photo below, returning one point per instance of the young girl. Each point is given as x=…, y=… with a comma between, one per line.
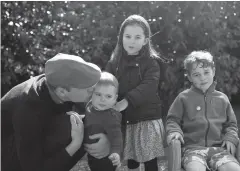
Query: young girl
x=133, y=63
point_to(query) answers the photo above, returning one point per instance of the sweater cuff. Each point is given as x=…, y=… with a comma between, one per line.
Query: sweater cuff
x=231, y=138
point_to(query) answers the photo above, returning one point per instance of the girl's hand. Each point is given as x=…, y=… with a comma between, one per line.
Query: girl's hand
x=115, y=158
x=99, y=149
x=77, y=130
x=175, y=135
x=122, y=105
x=230, y=147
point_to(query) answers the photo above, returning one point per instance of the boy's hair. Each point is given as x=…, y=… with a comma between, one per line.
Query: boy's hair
x=199, y=57
x=108, y=79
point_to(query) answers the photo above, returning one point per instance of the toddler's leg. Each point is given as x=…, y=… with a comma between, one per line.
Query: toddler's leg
x=151, y=165
x=133, y=165
x=100, y=164
x=195, y=166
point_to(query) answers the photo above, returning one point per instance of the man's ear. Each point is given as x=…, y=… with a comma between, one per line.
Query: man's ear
x=61, y=92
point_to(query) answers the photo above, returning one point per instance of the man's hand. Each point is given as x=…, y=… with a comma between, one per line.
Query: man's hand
x=230, y=147
x=174, y=135
x=77, y=130
x=115, y=158
x=99, y=149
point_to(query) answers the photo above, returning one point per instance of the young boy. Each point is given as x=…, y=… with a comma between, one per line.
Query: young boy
x=203, y=119
x=102, y=118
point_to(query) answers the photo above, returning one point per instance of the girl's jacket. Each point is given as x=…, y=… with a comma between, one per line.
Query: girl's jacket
x=203, y=119
x=138, y=82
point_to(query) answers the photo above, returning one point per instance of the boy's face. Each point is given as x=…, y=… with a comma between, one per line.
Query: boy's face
x=201, y=77
x=104, y=97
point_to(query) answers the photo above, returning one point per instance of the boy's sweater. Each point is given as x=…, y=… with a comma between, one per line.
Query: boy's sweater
x=203, y=119
x=106, y=121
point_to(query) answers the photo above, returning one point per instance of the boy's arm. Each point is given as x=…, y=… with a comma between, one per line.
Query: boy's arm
x=114, y=133
x=174, y=117
x=230, y=127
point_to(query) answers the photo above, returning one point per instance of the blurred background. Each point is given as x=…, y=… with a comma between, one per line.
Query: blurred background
x=33, y=32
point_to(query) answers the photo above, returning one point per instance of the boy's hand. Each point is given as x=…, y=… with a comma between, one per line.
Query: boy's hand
x=174, y=135
x=230, y=147
x=115, y=158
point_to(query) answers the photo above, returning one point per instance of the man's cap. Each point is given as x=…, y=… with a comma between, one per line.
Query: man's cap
x=67, y=71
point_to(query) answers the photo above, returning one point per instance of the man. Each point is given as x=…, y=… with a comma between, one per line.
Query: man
x=37, y=134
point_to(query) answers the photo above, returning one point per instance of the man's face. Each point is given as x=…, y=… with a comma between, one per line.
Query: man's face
x=104, y=97
x=79, y=95
x=201, y=77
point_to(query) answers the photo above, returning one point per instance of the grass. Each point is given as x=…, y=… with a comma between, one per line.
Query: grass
x=83, y=166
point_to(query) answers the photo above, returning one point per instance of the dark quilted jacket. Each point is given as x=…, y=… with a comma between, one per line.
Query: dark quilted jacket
x=138, y=82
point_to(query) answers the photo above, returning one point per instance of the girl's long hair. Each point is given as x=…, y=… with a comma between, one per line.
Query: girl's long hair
x=146, y=51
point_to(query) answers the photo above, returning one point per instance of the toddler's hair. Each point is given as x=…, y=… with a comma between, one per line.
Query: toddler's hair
x=200, y=57
x=108, y=79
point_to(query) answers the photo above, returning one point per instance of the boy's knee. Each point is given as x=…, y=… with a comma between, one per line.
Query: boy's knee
x=229, y=166
x=195, y=166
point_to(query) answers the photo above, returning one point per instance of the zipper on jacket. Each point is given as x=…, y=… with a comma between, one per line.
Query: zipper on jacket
x=205, y=100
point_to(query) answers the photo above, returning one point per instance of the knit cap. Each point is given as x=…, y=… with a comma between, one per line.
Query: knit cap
x=68, y=71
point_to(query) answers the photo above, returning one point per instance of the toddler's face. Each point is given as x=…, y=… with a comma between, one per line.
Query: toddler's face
x=133, y=39
x=104, y=97
x=201, y=77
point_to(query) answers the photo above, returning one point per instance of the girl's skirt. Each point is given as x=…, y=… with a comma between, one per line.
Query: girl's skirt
x=143, y=141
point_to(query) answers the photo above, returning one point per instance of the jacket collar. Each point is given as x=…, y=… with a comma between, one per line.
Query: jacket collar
x=209, y=90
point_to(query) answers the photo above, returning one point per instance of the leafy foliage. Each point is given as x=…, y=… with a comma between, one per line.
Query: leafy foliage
x=33, y=32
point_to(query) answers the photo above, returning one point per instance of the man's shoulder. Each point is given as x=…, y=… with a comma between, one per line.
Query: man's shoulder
x=25, y=94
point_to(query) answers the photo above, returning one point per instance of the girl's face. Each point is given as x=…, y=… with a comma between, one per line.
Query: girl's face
x=133, y=39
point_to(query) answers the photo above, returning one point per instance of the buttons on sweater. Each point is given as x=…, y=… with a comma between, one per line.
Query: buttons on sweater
x=198, y=108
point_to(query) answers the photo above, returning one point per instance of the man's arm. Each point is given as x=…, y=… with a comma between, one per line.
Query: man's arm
x=29, y=138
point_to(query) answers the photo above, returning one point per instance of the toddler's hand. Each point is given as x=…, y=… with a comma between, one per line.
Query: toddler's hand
x=230, y=147
x=115, y=158
x=175, y=135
